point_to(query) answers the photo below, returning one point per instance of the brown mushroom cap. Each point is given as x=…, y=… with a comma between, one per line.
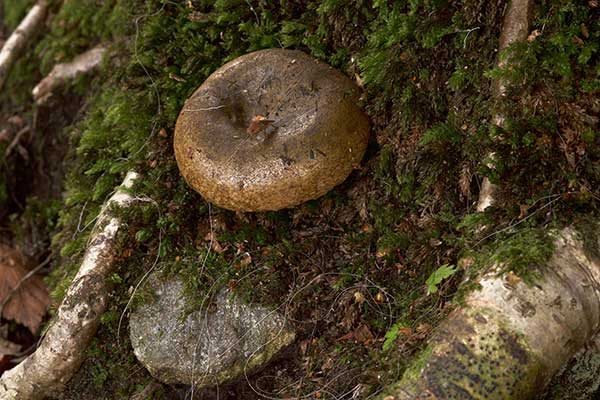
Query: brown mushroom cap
x=270, y=130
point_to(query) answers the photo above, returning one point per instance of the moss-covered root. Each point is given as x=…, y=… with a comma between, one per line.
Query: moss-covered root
x=62, y=350
x=509, y=338
x=515, y=28
x=20, y=38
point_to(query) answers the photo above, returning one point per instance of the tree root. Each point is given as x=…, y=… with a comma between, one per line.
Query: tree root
x=509, y=338
x=62, y=73
x=20, y=38
x=61, y=351
x=514, y=29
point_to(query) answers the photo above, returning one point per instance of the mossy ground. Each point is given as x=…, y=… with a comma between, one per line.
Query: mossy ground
x=349, y=265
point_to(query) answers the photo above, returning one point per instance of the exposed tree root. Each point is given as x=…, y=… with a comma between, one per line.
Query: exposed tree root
x=514, y=29
x=66, y=72
x=20, y=38
x=61, y=351
x=509, y=338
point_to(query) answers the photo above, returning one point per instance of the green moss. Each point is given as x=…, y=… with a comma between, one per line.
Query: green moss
x=588, y=233
x=426, y=67
x=413, y=372
x=523, y=250
x=14, y=11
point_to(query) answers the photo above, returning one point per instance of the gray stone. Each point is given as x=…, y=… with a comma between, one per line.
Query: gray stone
x=221, y=343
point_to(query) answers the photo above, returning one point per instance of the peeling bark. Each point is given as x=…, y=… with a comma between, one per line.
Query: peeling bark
x=20, y=38
x=63, y=73
x=515, y=28
x=510, y=338
x=62, y=349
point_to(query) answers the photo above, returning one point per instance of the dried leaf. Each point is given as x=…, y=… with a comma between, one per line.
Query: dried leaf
x=245, y=260
x=362, y=334
x=511, y=280
x=17, y=121
x=466, y=262
x=214, y=243
x=423, y=328
x=359, y=297
x=533, y=35
x=464, y=183
x=524, y=211
x=28, y=304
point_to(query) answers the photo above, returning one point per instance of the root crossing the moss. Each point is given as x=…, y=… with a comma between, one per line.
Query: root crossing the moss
x=62, y=350
x=509, y=338
x=20, y=38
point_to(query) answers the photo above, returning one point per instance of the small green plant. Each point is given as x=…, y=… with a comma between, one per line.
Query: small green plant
x=391, y=335
x=437, y=276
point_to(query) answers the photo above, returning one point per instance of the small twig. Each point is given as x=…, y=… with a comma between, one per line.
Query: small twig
x=468, y=31
x=16, y=288
x=204, y=109
x=16, y=140
x=558, y=197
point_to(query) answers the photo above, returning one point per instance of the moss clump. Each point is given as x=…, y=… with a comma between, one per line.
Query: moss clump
x=522, y=252
x=13, y=12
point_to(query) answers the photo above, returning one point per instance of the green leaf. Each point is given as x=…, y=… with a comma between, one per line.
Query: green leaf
x=443, y=272
x=391, y=335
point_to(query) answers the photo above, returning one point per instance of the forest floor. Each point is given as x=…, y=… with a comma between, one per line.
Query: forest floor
x=355, y=270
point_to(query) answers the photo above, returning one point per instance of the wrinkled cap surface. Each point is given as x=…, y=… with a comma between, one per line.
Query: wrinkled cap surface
x=270, y=130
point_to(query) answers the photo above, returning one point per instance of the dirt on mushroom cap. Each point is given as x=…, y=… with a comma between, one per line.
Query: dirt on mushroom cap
x=270, y=130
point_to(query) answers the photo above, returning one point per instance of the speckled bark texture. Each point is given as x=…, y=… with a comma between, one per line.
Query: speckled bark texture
x=312, y=136
x=510, y=338
x=224, y=342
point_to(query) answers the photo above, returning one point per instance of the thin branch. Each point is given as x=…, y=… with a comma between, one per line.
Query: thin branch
x=66, y=72
x=20, y=38
x=16, y=141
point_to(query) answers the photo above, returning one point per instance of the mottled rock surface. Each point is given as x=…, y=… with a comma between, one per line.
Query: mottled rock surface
x=206, y=347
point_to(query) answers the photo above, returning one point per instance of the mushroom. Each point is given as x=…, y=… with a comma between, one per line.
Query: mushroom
x=270, y=130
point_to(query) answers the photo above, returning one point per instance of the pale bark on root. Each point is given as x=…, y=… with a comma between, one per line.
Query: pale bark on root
x=20, y=38
x=515, y=28
x=62, y=349
x=66, y=72
x=509, y=338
